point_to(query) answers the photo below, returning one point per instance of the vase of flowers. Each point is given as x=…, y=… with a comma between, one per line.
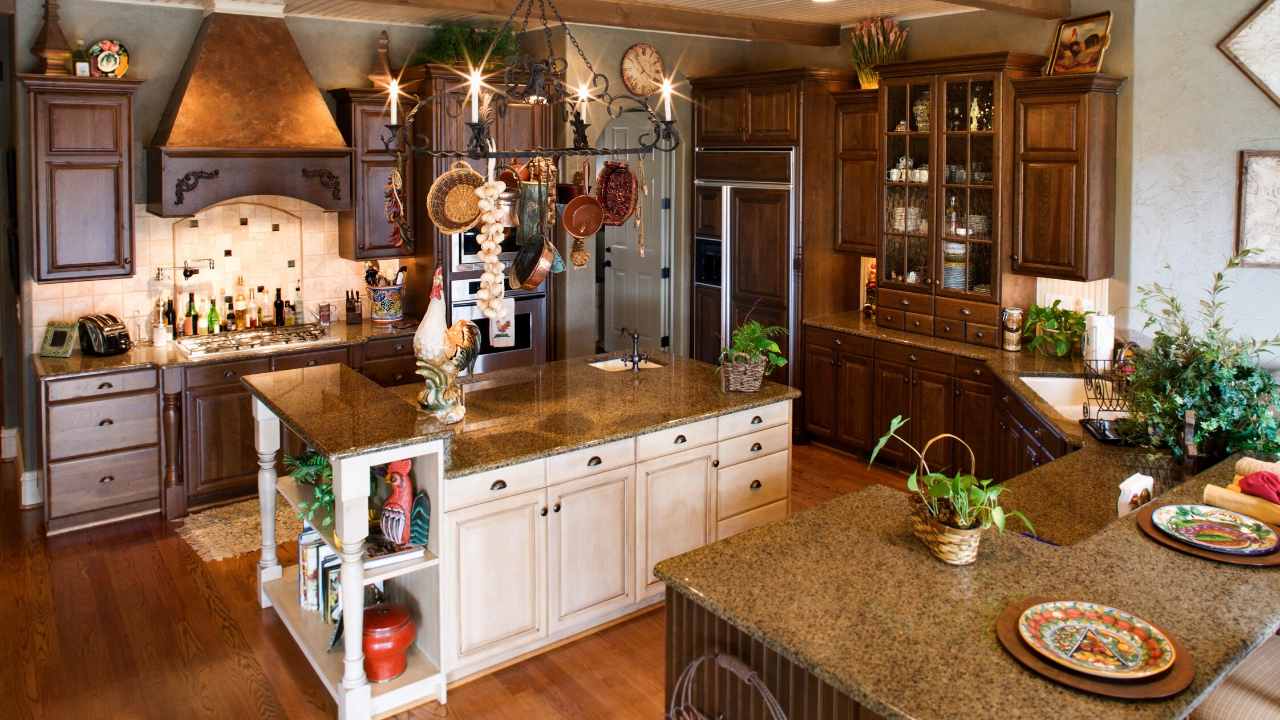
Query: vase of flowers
x=875, y=41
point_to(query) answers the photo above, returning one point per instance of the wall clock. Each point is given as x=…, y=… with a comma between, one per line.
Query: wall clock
x=642, y=70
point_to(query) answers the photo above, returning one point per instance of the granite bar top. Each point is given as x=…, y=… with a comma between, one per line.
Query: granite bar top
x=149, y=356
x=845, y=590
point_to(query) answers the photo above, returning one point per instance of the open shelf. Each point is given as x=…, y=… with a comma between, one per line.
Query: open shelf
x=296, y=493
x=312, y=634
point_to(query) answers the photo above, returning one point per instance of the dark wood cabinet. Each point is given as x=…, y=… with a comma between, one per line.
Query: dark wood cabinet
x=719, y=116
x=81, y=193
x=841, y=370
x=856, y=175
x=821, y=410
x=933, y=414
x=893, y=399
x=220, y=460
x=1064, y=176
x=759, y=220
x=1023, y=440
x=973, y=423
x=856, y=397
x=707, y=215
x=773, y=114
x=706, y=323
x=364, y=232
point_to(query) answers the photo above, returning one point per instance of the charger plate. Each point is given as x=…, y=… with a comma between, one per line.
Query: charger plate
x=1143, y=516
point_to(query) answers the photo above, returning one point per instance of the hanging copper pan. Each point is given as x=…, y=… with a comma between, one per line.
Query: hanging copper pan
x=532, y=265
x=583, y=216
x=616, y=192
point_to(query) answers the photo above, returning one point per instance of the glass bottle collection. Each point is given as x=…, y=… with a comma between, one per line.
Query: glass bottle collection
x=241, y=311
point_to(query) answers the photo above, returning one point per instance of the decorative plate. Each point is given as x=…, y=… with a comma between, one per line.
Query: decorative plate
x=1215, y=529
x=642, y=70
x=1096, y=639
x=108, y=58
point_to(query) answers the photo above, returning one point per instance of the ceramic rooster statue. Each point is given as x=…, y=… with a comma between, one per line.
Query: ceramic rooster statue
x=395, y=511
x=443, y=353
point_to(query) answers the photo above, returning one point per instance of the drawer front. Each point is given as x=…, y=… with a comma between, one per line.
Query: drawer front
x=392, y=371
x=684, y=437
x=970, y=369
x=310, y=359
x=752, y=484
x=982, y=334
x=592, y=460
x=98, y=426
x=103, y=481
x=741, y=423
x=966, y=310
x=388, y=347
x=890, y=318
x=844, y=342
x=459, y=492
x=755, y=445
x=754, y=518
x=225, y=373
x=918, y=323
x=916, y=357
x=98, y=385
x=948, y=328
x=906, y=302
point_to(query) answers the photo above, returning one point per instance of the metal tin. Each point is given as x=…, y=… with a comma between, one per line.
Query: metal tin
x=1011, y=319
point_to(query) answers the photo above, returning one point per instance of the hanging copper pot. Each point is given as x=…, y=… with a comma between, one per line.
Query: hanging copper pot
x=583, y=216
x=616, y=192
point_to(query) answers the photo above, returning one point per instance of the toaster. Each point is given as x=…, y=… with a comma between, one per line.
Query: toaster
x=103, y=334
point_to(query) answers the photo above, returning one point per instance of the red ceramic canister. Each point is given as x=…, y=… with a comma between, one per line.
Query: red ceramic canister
x=388, y=633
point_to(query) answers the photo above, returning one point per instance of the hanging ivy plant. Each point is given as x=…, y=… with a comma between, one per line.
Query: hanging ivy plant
x=452, y=43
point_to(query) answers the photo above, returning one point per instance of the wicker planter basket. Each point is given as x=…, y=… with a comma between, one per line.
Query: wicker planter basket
x=950, y=545
x=742, y=375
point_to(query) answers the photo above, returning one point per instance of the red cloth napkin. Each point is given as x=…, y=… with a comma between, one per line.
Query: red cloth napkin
x=1263, y=484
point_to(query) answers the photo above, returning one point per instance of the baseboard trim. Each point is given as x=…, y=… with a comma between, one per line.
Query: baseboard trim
x=8, y=443
x=29, y=495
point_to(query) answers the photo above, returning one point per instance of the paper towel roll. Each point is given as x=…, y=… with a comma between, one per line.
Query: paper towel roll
x=1099, y=337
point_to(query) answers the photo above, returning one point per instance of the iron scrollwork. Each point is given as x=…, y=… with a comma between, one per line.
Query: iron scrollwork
x=328, y=180
x=188, y=183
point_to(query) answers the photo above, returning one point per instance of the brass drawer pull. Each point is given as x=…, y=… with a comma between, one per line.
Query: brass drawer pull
x=757, y=420
x=498, y=485
x=680, y=440
x=594, y=461
x=107, y=479
x=756, y=484
x=105, y=422
x=105, y=386
x=756, y=447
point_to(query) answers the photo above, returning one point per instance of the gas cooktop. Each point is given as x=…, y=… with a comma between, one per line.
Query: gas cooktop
x=256, y=339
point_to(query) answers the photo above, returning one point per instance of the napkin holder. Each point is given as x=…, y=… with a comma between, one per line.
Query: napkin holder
x=1135, y=492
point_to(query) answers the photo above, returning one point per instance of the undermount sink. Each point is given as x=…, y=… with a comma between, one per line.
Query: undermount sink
x=619, y=364
x=1065, y=394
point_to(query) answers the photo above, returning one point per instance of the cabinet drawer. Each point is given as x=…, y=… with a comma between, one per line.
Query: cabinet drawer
x=225, y=373
x=755, y=445
x=311, y=359
x=914, y=322
x=966, y=310
x=589, y=461
x=749, y=485
x=970, y=369
x=746, y=421
x=986, y=335
x=755, y=518
x=388, y=347
x=459, y=492
x=684, y=437
x=97, y=426
x=392, y=371
x=890, y=318
x=103, y=481
x=905, y=301
x=949, y=329
x=916, y=357
x=844, y=342
x=98, y=385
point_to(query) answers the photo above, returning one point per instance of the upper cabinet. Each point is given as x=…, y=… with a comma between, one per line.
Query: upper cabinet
x=1064, y=176
x=856, y=174
x=773, y=114
x=763, y=109
x=719, y=115
x=364, y=231
x=81, y=139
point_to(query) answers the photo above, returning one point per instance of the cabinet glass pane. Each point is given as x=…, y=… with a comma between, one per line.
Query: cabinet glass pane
x=954, y=212
x=957, y=105
x=957, y=172
x=979, y=268
x=921, y=108
x=981, y=105
x=917, y=215
x=895, y=259
x=979, y=220
x=955, y=265
x=896, y=108
x=896, y=158
x=917, y=260
x=895, y=210
x=981, y=158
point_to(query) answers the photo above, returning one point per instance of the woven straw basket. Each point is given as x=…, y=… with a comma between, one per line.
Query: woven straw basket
x=738, y=374
x=950, y=545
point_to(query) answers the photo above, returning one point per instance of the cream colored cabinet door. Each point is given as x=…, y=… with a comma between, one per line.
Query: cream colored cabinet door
x=591, y=547
x=675, y=512
x=496, y=576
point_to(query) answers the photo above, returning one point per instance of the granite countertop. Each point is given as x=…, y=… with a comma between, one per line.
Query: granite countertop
x=148, y=356
x=845, y=590
x=513, y=416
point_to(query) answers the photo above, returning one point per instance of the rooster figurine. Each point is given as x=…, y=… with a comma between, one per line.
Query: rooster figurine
x=443, y=353
x=395, y=511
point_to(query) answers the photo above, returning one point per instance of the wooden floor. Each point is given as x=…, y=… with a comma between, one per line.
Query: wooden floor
x=126, y=622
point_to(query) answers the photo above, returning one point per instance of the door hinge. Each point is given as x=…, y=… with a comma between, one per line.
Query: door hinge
x=666, y=341
x=666, y=203
x=666, y=273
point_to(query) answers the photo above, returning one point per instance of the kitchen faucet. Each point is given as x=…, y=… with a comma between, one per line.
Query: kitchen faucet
x=637, y=358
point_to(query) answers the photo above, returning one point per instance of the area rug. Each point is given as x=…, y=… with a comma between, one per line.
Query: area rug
x=230, y=530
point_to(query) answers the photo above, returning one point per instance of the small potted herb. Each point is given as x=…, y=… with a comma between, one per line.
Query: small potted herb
x=1054, y=330
x=949, y=512
x=752, y=354
x=313, y=469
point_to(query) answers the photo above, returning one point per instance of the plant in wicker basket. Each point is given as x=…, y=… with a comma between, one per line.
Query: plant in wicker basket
x=949, y=512
x=752, y=354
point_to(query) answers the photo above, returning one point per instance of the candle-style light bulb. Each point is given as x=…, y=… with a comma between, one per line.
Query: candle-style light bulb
x=393, y=89
x=583, y=96
x=666, y=98
x=475, y=82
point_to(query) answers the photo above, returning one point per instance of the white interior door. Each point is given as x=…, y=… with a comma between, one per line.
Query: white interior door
x=637, y=298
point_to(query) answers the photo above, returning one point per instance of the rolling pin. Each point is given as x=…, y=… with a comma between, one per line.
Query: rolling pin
x=1254, y=507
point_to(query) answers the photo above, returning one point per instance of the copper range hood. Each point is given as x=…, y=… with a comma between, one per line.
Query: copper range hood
x=246, y=118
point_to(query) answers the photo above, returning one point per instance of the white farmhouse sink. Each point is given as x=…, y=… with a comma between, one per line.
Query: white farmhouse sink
x=1065, y=394
x=618, y=365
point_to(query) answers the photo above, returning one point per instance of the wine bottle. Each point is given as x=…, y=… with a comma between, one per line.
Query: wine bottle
x=251, y=310
x=213, y=321
x=242, y=319
x=279, y=309
x=171, y=318
x=189, y=320
x=229, y=322
x=264, y=307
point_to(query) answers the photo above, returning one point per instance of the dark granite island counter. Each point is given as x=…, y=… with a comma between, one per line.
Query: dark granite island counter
x=843, y=608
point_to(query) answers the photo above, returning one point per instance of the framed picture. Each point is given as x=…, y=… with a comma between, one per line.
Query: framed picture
x=1079, y=45
x=59, y=339
x=1254, y=47
x=1258, y=214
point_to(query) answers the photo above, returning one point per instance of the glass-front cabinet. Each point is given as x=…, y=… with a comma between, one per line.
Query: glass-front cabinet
x=906, y=249
x=970, y=188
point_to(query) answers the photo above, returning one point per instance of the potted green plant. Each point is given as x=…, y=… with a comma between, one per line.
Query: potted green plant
x=752, y=353
x=1197, y=387
x=453, y=43
x=950, y=512
x=313, y=469
x=1054, y=330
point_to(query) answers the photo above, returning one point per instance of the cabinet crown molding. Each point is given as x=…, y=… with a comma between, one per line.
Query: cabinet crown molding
x=960, y=64
x=1049, y=84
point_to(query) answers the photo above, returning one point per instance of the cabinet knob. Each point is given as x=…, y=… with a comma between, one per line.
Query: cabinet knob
x=498, y=485
x=398, y=377
x=681, y=439
x=105, y=422
x=839, y=341
x=228, y=373
x=979, y=334
x=946, y=328
x=906, y=379
x=594, y=461
x=311, y=363
x=715, y=463
x=105, y=386
x=1015, y=258
x=543, y=513
x=757, y=420
x=756, y=447
x=912, y=357
x=905, y=303
x=756, y=484
x=556, y=508
x=399, y=347
x=106, y=479
x=966, y=311
x=1037, y=432
x=977, y=372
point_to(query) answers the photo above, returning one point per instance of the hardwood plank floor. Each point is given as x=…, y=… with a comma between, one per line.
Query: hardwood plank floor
x=126, y=621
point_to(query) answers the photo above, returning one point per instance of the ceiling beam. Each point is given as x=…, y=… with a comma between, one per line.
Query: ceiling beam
x=661, y=18
x=1051, y=9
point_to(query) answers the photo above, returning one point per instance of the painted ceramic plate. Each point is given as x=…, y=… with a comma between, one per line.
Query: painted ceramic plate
x=108, y=58
x=1215, y=529
x=1096, y=639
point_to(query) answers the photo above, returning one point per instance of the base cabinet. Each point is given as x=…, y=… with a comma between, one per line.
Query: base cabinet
x=591, y=547
x=674, y=512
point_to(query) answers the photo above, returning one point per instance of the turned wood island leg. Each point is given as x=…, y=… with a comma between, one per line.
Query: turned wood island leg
x=351, y=512
x=266, y=435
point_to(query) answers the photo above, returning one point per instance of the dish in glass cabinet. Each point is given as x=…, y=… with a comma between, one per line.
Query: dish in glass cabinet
x=108, y=58
x=1096, y=640
x=1215, y=529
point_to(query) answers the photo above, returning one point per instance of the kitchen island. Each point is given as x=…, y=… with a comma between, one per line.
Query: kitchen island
x=550, y=503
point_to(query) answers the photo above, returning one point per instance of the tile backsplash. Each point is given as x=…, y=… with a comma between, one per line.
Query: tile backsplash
x=271, y=241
